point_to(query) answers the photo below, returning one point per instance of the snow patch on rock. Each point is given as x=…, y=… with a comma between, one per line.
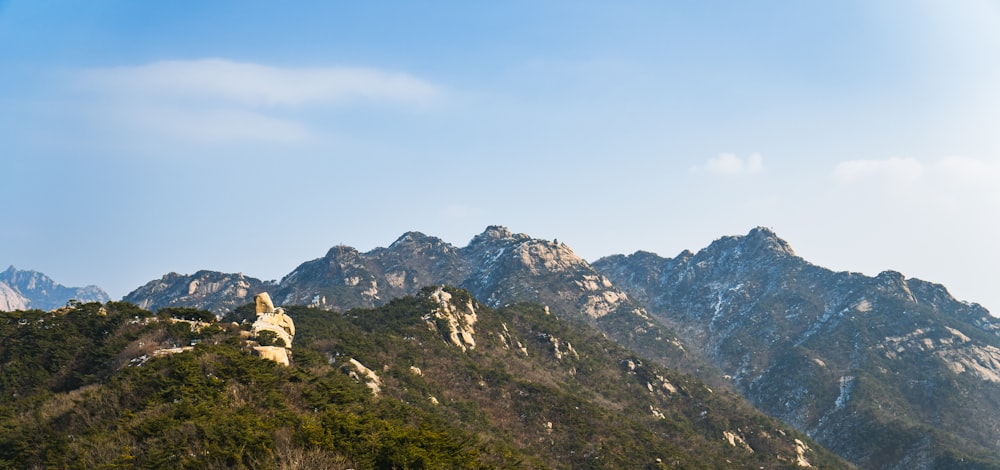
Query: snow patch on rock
x=846, y=385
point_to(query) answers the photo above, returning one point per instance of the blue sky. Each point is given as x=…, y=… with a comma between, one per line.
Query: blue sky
x=139, y=138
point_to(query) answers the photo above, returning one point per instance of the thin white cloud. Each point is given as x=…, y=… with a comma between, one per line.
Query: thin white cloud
x=961, y=184
x=893, y=169
x=216, y=101
x=258, y=85
x=217, y=125
x=952, y=171
x=730, y=164
x=968, y=171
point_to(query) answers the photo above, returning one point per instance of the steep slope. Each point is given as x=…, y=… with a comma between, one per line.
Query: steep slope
x=886, y=371
x=433, y=381
x=44, y=293
x=208, y=290
x=11, y=299
x=511, y=267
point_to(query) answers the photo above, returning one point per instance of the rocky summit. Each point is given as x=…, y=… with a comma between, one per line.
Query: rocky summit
x=209, y=290
x=32, y=289
x=887, y=371
x=497, y=266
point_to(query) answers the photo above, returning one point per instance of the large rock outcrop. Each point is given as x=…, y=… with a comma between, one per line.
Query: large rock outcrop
x=279, y=329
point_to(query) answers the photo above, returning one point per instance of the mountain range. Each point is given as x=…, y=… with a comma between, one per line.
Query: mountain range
x=885, y=371
x=888, y=372
x=498, y=267
x=21, y=290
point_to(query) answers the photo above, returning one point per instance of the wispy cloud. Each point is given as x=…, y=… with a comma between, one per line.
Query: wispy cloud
x=953, y=170
x=955, y=182
x=893, y=169
x=221, y=101
x=730, y=164
x=208, y=125
x=969, y=171
x=255, y=84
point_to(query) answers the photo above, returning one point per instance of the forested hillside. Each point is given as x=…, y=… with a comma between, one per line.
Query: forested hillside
x=431, y=381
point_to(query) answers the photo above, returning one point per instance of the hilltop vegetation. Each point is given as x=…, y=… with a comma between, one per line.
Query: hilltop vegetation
x=418, y=383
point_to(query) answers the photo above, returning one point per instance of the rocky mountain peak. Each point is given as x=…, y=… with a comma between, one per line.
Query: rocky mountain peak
x=763, y=239
x=760, y=245
x=341, y=251
x=415, y=243
x=891, y=277
x=497, y=233
x=45, y=294
x=413, y=238
x=545, y=256
x=684, y=255
x=208, y=290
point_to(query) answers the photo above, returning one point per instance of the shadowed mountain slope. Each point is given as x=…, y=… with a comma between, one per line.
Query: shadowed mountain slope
x=887, y=371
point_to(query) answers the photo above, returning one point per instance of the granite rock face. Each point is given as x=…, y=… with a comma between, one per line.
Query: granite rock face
x=279, y=324
x=208, y=290
x=11, y=299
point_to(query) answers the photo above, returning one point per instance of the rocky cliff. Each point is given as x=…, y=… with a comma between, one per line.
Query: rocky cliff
x=41, y=292
x=889, y=372
x=208, y=290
